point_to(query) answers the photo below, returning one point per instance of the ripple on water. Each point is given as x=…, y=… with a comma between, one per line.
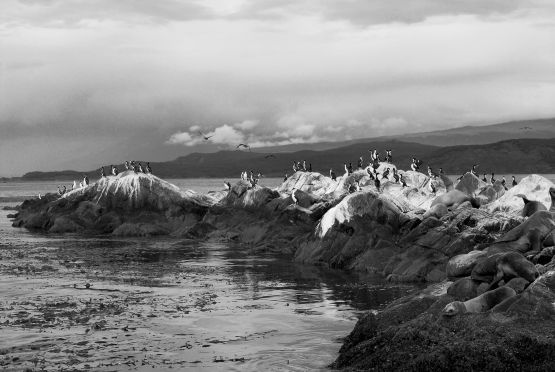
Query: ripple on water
x=164, y=303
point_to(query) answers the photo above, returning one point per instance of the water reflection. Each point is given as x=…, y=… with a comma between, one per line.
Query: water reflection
x=167, y=303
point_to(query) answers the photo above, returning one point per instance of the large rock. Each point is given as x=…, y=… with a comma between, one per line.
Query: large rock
x=244, y=195
x=462, y=265
x=310, y=182
x=130, y=203
x=470, y=184
x=534, y=187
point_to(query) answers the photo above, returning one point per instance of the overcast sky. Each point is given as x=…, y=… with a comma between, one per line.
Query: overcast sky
x=87, y=82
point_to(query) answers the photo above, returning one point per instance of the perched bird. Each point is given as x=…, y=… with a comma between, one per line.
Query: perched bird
x=102, y=174
x=126, y=165
x=304, y=165
x=514, y=181
x=403, y=182
x=432, y=187
x=415, y=165
x=285, y=177
x=492, y=179
x=114, y=170
x=332, y=175
x=377, y=183
x=148, y=169
x=370, y=174
x=294, y=166
x=388, y=157
x=385, y=174
x=359, y=165
x=473, y=169
x=395, y=175
x=227, y=186
x=440, y=171
x=484, y=178
x=350, y=168
x=503, y=181
x=140, y=168
x=294, y=197
x=85, y=180
x=310, y=167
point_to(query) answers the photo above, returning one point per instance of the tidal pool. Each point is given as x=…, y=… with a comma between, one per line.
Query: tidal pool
x=69, y=302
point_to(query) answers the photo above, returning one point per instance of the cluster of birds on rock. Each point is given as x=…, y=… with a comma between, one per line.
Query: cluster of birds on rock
x=391, y=173
x=136, y=167
x=132, y=165
x=62, y=189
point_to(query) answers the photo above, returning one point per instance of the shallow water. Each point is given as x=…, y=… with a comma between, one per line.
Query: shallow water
x=167, y=303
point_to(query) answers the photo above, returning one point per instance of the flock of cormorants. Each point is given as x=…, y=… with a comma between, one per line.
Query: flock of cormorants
x=136, y=167
x=372, y=170
x=391, y=173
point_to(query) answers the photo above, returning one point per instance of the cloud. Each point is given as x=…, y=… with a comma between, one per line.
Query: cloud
x=59, y=13
x=127, y=74
x=376, y=12
x=227, y=135
x=246, y=124
x=183, y=138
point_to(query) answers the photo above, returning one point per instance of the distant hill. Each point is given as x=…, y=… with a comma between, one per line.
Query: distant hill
x=477, y=135
x=511, y=156
x=467, y=135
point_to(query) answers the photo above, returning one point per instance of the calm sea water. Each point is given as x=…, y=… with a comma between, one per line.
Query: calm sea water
x=162, y=304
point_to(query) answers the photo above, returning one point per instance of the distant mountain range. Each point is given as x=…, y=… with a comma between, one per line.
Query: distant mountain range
x=510, y=157
x=467, y=135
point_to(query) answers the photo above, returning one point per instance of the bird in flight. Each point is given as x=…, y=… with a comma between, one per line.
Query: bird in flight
x=243, y=145
x=206, y=138
x=526, y=128
x=269, y=156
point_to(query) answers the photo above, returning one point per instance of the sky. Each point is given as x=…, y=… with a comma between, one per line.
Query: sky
x=85, y=83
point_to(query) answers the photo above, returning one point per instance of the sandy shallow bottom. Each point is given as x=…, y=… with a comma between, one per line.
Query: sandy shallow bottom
x=78, y=303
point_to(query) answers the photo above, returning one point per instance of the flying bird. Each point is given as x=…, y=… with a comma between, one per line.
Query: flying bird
x=526, y=128
x=269, y=156
x=243, y=145
x=206, y=138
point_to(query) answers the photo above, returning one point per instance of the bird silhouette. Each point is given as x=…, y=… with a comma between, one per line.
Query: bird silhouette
x=206, y=138
x=269, y=156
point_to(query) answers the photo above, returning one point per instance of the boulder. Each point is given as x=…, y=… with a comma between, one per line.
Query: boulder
x=463, y=264
x=470, y=184
x=312, y=183
x=534, y=187
x=243, y=195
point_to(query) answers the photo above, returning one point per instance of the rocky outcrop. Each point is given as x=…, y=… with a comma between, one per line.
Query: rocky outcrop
x=414, y=334
x=130, y=203
x=534, y=187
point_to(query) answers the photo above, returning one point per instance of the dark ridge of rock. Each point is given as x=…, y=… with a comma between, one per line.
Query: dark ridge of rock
x=515, y=335
x=130, y=204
